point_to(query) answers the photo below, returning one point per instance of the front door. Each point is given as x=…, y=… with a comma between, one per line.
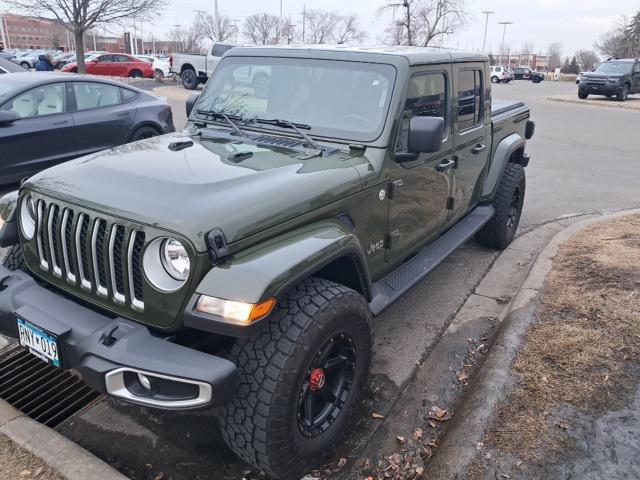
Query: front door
x=42, y=137
x=471, y=136
x=419, y=189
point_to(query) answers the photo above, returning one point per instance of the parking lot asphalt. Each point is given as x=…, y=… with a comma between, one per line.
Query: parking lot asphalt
x=583, y=161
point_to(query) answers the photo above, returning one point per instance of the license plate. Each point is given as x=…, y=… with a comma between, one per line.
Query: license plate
x=43, y=345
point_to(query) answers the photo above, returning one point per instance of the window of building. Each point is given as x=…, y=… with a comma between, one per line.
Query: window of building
x=469, y=99
x=426, y=97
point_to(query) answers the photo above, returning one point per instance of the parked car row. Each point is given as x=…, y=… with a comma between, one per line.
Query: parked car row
x=504, y=74
x=48, y=118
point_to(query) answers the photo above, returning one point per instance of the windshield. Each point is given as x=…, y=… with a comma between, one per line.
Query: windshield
x=615, y=67
x=347, y=100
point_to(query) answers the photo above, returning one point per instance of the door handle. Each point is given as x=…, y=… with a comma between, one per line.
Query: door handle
x=445, y=165
x=478, y=148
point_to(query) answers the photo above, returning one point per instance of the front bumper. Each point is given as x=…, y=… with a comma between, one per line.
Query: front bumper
x=109, y=353
x=599, y=89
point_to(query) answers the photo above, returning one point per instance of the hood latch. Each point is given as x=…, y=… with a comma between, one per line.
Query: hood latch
x=217, y=244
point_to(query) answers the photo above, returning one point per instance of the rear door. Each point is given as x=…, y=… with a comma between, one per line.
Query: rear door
x=102, y=118
x=471, y=136
x=420, y=188
x=120, y=65
x=42, y=137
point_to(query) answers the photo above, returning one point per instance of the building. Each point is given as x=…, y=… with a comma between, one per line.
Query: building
x=18, y=31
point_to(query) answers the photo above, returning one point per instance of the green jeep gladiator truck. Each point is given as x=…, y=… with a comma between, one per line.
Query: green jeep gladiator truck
x=236, y=265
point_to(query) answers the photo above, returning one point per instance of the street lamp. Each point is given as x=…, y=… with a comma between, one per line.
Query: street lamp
x=504, y=31
x=486, y=24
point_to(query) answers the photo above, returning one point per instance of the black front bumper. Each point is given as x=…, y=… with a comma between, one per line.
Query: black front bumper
x=99, y=347
x=599, y=89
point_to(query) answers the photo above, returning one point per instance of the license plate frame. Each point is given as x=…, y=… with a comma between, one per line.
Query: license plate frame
x=39, y=342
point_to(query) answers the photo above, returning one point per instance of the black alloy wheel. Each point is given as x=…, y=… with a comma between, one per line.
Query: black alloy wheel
x=327, y=384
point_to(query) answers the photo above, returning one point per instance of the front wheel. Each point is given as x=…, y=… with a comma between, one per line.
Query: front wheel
x=623, y=93
x=300, y=379
x=583, y=95
x=500, y=231
x=495, y=79
x=14, y=260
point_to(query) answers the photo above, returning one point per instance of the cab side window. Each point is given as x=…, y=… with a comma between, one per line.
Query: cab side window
x=470, y=103
x=218, y=50
x=426, y=97
x=40, y=101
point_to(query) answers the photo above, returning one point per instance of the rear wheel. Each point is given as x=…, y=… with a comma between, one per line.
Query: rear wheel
x=158, y=74
x=144, y=132
x=136, y=74
x=299, y=379
x=14, y=260
x=26, y=65
x=189, y=79
x=623, y=93
x=501, y=229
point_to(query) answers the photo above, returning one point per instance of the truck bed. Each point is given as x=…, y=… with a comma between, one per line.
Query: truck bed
x=507, y=117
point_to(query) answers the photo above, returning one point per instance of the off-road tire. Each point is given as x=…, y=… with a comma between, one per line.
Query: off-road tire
x=14, y=259
x=261, y=423
x=189, y=79
x=500, y=231
x=622, y=95
x=582, y=95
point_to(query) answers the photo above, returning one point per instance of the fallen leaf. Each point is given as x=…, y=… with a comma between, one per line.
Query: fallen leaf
x=432, y=443
x=395, y=459
x=503, y=299
x=518, y=463
x=417, y=434
x=25, y=473
x=419, y=471
x=158, y=476
x=463, y=377
x=400, y=439
x=439, y=414
x=562, y=424
x=479, y=446
x=38, y=471
x=606, y=378
x=504, y=476
x=544, y=378
x=377, y=416
x=342, y=462
x=432, y=424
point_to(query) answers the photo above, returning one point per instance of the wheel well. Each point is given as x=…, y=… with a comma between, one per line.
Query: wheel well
x=517, y=156
x=345, y=271
x=144, y=125
x=186, y=66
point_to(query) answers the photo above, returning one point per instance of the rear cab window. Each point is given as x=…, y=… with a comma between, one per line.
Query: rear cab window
x=470, y=101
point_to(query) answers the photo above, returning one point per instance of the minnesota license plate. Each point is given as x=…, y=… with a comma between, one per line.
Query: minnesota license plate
x=43, y=345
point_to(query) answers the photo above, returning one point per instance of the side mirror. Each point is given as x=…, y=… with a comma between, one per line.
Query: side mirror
x=8, y=117
x=425, y=134
x=191, y=101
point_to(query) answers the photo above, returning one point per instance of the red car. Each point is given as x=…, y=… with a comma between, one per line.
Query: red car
x=115, y=65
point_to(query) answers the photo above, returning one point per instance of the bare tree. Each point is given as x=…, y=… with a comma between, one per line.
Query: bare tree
x=554, y=54
x=78, y=16
x=321, y=26
x=587, y=59
x=186, y=40
x=623, y=40
x=216, y=29
x=425, y=21
x=348, y=29
x=263, y=29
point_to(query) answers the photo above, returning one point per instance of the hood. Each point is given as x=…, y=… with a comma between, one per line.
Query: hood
x=190, y=185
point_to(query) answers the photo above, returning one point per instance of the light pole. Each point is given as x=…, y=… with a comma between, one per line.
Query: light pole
x=504, y=31
x=486, y=25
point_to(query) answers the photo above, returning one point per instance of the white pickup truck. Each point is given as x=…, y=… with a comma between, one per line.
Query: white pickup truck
x=195, y=69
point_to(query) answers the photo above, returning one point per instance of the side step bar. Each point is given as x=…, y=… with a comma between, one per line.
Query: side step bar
x=396, y=283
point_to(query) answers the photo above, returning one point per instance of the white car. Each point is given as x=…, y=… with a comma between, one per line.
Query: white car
x=500, y=74
x=161, y=66
x=196, y=69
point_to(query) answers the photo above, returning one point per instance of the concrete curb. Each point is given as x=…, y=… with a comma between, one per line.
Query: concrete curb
x=493, y=381
x=607, y=103
x=64, y=456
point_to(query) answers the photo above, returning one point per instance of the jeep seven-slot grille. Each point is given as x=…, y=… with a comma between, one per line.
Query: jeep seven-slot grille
x=99, y=256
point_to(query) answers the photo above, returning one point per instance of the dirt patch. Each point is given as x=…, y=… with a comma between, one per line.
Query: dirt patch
x=581, y=355
x=16, y=463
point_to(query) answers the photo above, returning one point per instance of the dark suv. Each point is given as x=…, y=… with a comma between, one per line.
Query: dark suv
x=616, y=76
x=525, y=73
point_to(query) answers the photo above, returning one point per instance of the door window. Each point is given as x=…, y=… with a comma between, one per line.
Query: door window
x=95, y=95
x=219, y=50
x=120, y=59
x=37, y=102
x=470, y=104
x=426, y=97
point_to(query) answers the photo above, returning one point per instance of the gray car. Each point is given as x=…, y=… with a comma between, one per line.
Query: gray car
x=47, y=118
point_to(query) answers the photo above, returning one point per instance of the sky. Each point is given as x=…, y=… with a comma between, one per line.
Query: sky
x=576, y=24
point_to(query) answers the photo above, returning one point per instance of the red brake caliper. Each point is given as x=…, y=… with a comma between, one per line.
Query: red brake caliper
x=317, y=379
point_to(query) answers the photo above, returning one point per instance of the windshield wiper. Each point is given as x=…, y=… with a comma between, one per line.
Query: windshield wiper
x=228, y=118
x=310, y=142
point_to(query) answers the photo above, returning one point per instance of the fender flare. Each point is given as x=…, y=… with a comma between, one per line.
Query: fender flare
x=272, y=268
x=506, y=148
x=8, y=219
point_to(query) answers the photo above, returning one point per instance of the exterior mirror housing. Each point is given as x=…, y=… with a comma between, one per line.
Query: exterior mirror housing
x=425, y=134
x=191, y=101
x=7, y=118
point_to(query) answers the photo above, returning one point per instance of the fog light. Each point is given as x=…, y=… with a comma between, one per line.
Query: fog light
x=144, y=381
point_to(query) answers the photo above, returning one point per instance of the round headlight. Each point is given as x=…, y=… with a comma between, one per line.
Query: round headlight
x=175, y=259
x=28, y=217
